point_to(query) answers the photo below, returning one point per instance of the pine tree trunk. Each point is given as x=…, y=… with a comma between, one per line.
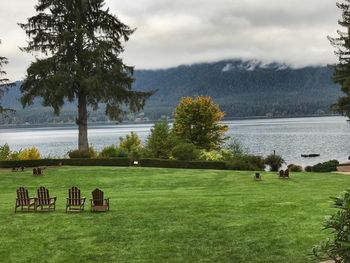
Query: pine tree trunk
x=82, y=123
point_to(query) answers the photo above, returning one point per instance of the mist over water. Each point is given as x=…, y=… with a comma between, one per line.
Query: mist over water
x=328, y=136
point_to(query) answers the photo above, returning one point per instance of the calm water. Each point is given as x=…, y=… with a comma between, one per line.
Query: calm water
x=328, y=136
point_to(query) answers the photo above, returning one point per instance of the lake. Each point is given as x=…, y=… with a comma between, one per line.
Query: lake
x=327, y=136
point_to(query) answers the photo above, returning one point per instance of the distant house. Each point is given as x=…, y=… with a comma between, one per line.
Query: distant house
x=344, y=167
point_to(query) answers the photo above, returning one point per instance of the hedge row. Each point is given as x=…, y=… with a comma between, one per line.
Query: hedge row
x=182, y=164
x=116, y=162
x=72, y=162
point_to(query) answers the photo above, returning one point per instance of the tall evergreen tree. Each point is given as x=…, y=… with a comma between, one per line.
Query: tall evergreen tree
x=341, y=74
x=82, y=43
x=4, y=83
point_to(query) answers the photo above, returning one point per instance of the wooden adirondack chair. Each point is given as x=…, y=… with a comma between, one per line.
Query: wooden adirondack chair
x=23, y=200
x=38, y=171
x=98, y=202
x=74, y=201
x=286, y=174
x=44, y=201
x=281, y=174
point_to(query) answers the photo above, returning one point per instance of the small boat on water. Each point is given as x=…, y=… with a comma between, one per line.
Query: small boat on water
x=310, y=155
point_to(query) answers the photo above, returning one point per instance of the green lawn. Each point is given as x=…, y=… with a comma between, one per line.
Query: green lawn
x=169, y=215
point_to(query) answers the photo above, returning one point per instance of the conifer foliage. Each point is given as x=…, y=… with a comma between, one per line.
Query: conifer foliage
x=341, y=43
x=81, y=42
x=4, y=83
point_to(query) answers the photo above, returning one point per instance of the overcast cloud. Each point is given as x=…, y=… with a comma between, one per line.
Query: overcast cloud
x=173, y=32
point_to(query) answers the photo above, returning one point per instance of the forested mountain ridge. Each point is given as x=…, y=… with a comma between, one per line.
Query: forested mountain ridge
x=242, y=88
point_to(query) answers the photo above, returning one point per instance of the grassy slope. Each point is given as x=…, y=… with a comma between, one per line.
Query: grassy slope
x=169, y=215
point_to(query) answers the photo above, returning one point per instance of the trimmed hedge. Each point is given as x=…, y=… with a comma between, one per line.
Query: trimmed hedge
x=117, y=162
x=72, y=162
x=182, y=164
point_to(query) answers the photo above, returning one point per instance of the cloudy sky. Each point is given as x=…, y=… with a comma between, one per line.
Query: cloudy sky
x=173, y=32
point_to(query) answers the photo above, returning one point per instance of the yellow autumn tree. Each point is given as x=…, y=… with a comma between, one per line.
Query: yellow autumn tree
x=197, y=120
x=29, y=154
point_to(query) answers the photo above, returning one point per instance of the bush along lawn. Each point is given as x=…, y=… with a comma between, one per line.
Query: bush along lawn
x=169, y=215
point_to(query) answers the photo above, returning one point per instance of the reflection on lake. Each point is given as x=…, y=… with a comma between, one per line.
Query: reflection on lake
x=328, y=136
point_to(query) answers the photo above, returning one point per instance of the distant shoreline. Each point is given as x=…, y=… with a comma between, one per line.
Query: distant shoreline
x=93, y=124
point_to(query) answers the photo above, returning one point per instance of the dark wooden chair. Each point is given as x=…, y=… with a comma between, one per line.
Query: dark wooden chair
x=24, y=201
x=98, y=202
x=74, y=200
x=44, y=201
x=281, y=174
x=286, y=174
x=38, y=171
x=257, y=177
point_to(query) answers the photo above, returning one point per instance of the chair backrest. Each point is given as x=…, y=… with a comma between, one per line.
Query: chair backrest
x=286, y=173
x=97, y=197
x=43, y=196
x=23, y=196
x=281, y=173
x=74, y=196
x=35, y=171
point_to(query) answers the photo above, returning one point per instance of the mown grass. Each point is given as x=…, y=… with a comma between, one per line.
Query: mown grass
x=169, y=215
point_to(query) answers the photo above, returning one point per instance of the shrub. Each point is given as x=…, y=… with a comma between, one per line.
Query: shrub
x=233, y=149
x=130, y=142
x=112, y=152
x=324, y=167
x=274, y=161
x=91, y=153
x=160, y=142
x=29, y=154
x=337, y=248
x=258, y=162
x=5, y=152
x=210, y=155
x=308, y=169
x=132, y=145
x=14, y=155
x=185, y=152
x=295, y=168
